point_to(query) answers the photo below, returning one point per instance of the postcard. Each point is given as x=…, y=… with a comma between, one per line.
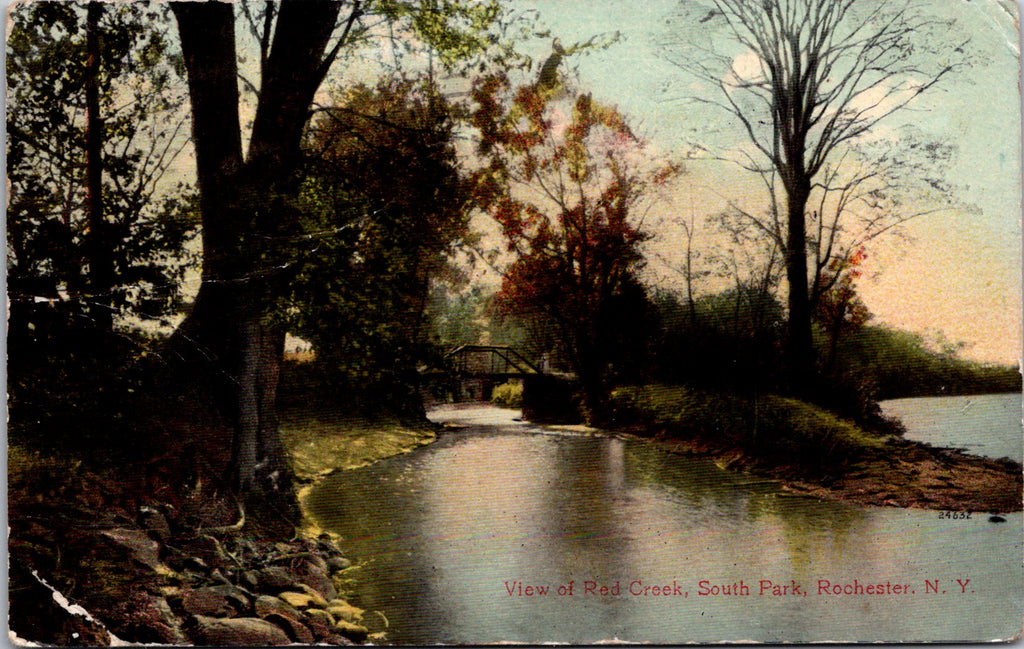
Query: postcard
x=513, y=321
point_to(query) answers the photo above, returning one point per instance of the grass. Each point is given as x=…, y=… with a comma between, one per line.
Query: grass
x=319, y=444
x=771, y=430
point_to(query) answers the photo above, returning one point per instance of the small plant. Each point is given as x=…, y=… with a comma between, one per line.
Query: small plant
x=508, y=395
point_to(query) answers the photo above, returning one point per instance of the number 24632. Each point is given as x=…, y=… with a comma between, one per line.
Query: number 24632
x=955, y=515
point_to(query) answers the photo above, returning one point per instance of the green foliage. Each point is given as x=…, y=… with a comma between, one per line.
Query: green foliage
x=733, y=342
x=771, y=429
x=456, y=318
x=728, y=341
x=381, y=208
x=147, y=224
x=66, y=372
x=508, y=395
x=462, y=35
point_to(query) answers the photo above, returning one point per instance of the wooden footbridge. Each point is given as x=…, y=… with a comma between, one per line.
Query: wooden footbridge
x=470, y=372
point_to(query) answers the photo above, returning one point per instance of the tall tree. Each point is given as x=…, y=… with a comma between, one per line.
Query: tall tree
x=248, y=198
x=101, y=267
x=240, y=202
x=566, y=179
x=807, y=80
x=96, y=223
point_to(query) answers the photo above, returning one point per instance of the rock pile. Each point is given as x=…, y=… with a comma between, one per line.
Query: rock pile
x=152, y=578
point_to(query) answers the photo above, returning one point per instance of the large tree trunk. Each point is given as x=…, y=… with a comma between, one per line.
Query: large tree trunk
x=230, y=332
x=220, y=338
x=207, y=32
x=800, y=350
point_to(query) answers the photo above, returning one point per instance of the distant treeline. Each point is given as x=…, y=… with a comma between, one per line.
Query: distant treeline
x=732, y=341
x=901, y=365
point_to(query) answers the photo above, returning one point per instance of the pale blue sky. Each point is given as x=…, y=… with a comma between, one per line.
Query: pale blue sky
x=960, y=272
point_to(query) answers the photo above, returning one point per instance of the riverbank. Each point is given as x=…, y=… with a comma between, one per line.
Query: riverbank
x=318, y=444
x=102, y=557
x=907, y=474
x=811, y=452
x=91, y=564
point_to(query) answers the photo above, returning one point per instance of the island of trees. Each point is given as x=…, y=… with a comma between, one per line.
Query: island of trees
x=245, y=151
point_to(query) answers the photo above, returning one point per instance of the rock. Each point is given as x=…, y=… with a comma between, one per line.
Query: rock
x=316, y=562
x=302, y=600
x=296, y=630
x=246, y=549
x=191, y=564
x=274, y=579
x=269, y=605
x=250, y=579
x=320, y=622
x=328, y=545
x=239, y=597
x=342, y=610
x=319, y=600
x=305, y=545
x=236, y=632
x=206, y=548
x=202, y=602
x=144, y=619
x=319, y=628
x=216, y=601
x=155, y=523
x=315, y=575
x=136, y=545
x=218, y=576
x=352, y=631
x=336, y=638
x=334, y=564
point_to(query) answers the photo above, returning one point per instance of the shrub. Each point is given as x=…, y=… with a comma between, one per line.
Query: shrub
x=508, y=395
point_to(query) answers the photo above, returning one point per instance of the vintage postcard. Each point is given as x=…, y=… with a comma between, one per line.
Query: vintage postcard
x=513, y=321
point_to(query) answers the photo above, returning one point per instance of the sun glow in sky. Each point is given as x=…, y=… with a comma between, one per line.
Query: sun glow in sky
x=955, y=272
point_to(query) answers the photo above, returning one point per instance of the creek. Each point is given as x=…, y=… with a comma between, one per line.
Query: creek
x=508, y=531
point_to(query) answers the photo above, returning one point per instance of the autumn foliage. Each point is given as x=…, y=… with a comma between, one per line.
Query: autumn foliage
x=568, y=181
x=838, y=309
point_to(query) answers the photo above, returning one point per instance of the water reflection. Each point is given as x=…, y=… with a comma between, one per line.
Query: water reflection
x=445, y=532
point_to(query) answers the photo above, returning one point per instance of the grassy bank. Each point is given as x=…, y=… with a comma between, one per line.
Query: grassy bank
x=814, y=452
x=318, y=444
x=768, y=431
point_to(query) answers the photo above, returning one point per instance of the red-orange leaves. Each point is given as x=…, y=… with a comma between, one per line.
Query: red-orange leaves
x=562, y=175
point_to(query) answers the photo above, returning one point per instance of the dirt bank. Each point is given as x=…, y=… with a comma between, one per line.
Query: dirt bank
x=901, y=474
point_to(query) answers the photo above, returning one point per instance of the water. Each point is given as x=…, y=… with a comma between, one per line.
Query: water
x=987, y=424
x=445, y=532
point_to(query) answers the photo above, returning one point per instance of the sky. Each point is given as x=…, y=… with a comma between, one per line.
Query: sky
x=956, y=271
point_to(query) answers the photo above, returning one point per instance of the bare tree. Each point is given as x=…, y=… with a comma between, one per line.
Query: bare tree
x=808, y=81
